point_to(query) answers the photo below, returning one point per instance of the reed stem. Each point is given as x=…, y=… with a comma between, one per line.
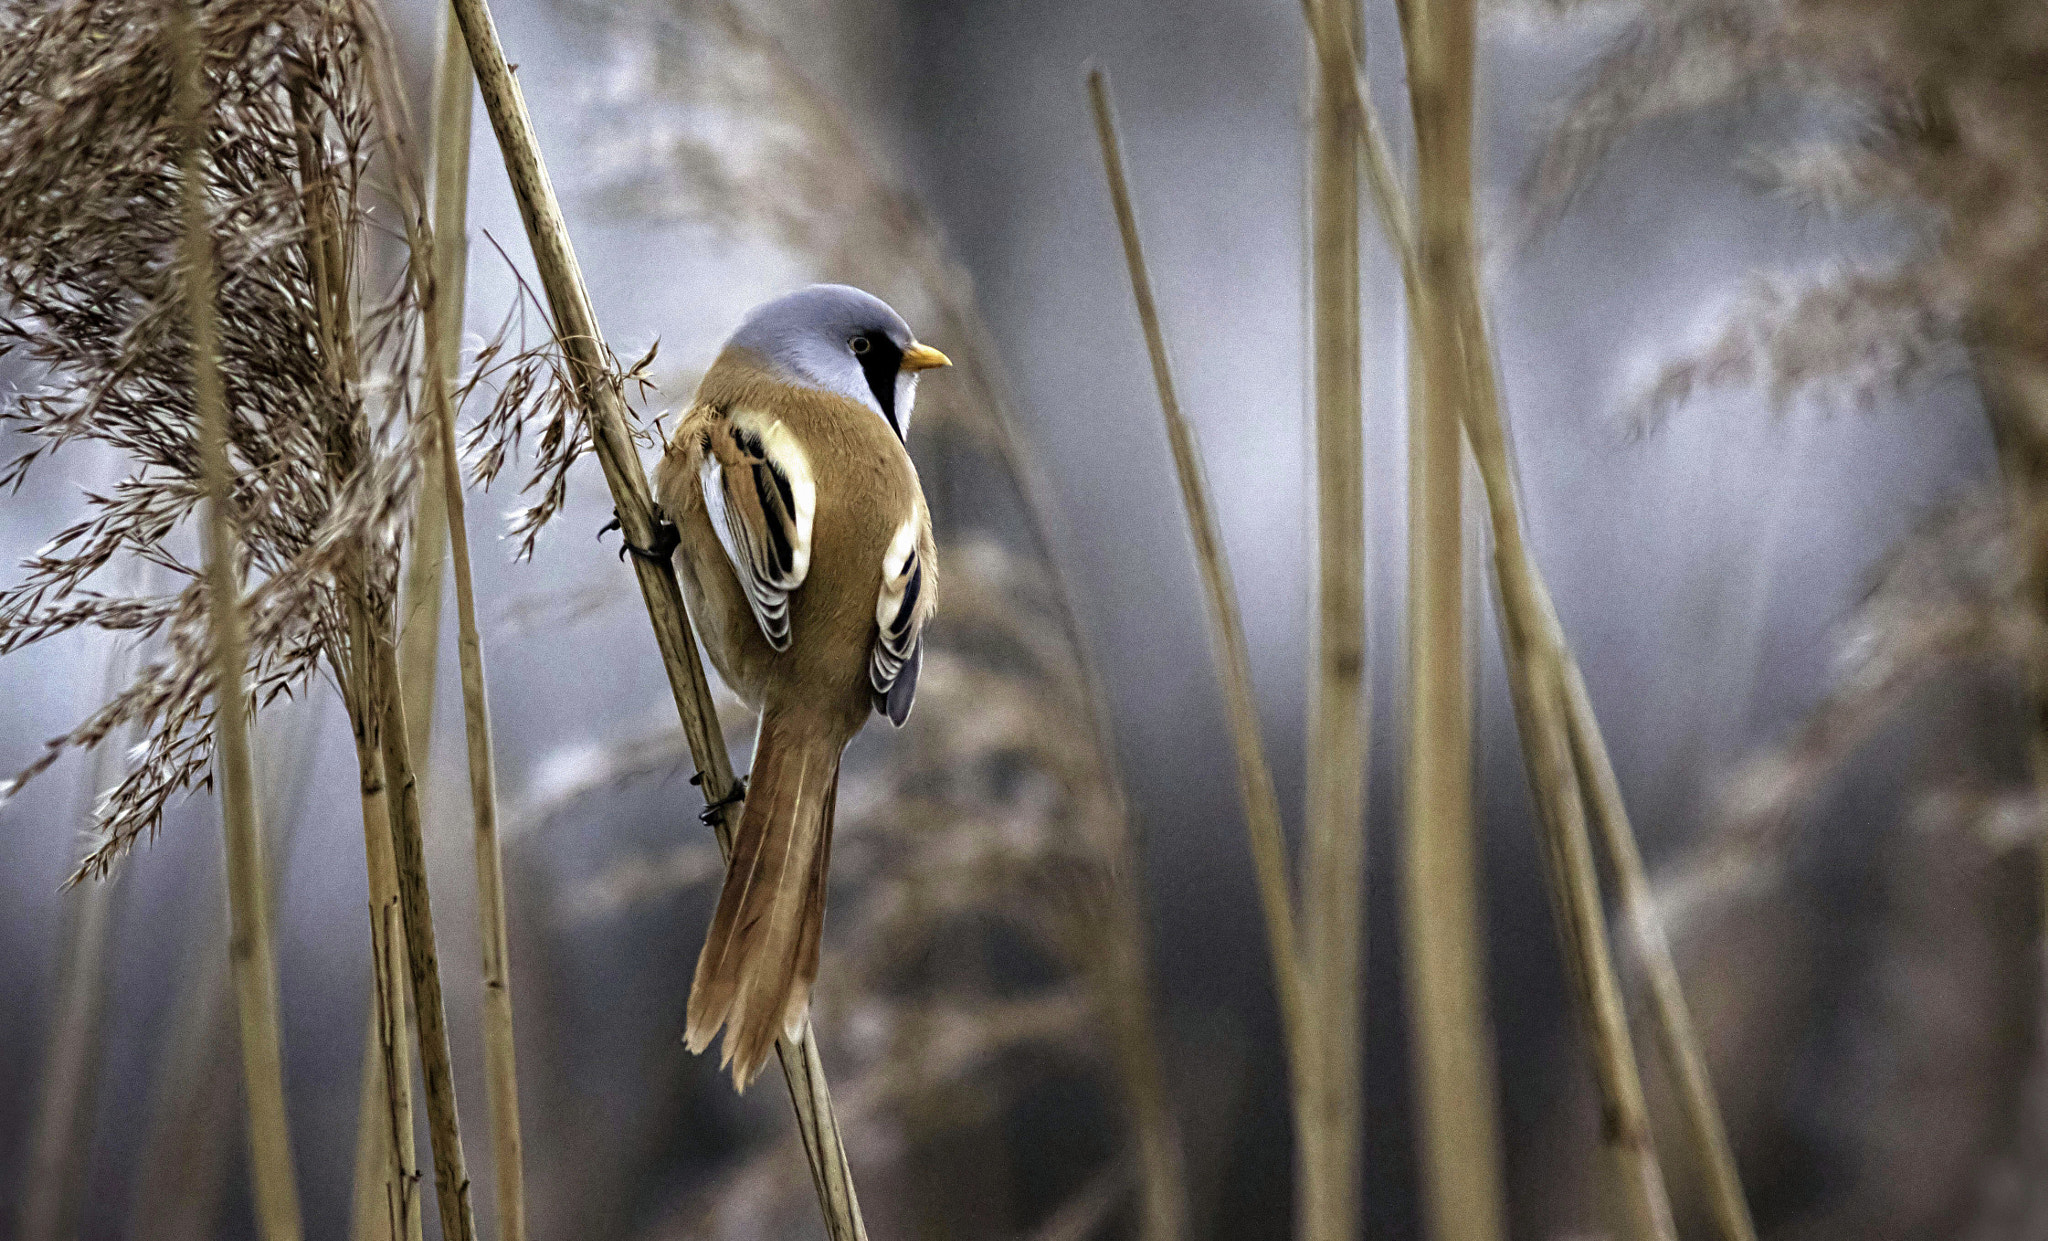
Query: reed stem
x=1444, y=912
x=448, y=244
x=409, y=854
x=387, y=1167
x=1330, y=1123
x=604, y=405
x=249, y=943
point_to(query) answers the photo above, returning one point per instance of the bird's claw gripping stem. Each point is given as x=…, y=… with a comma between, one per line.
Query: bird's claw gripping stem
x=712, y=810
x=666, y=538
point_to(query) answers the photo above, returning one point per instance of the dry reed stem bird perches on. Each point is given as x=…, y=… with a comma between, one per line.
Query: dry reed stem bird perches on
x=597, y=389
x=249, y=942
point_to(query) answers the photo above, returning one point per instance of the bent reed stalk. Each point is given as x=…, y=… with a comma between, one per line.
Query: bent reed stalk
x=249, y=942
x=603, y=403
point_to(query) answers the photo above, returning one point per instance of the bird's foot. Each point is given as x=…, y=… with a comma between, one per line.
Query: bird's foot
x=714, y=810
x=666, y=538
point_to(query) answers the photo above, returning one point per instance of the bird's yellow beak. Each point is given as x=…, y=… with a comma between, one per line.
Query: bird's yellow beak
x=923, y=358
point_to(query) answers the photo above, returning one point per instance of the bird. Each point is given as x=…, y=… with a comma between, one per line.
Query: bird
x=803, y=545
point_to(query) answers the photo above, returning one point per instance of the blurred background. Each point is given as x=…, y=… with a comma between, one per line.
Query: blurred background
x=1867, y=974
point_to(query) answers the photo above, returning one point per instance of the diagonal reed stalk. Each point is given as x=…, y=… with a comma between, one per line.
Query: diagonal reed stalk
x=249, y=943
x=1331, y=1126
x=1263, y=828
x=604, y=406
x=1453, y=1056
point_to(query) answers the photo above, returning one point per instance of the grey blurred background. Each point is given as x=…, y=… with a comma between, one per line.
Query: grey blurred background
x=1703, y=571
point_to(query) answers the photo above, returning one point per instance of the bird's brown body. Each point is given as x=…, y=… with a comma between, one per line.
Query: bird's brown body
x=815, y=689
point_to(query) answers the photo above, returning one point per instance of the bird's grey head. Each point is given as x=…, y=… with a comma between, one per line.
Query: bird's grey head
x=839, y=339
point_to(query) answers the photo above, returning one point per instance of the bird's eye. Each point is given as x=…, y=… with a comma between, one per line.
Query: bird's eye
x=860, y=344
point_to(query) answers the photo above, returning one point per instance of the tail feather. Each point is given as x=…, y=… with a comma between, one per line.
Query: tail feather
x=760, y=956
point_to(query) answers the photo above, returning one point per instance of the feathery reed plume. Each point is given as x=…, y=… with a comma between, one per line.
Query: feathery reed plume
x=1928, y=122
x=1460, y=1141
x=599, y=389
x=90, y=214
x=1938, y=131
x=249, y=944
x=313, y=355
x=1330, y=1123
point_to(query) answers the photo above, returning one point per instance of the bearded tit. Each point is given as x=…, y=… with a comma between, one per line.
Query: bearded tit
x=804, y=549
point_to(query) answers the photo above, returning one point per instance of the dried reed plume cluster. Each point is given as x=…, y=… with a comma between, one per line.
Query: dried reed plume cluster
x=136, y=234
x=327, y=456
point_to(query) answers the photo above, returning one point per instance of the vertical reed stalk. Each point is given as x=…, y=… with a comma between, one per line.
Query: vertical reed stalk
x=604, y=405
x=1530, y=631
x=409, y=854
x=1330, y=1126
x=53, y=1187
x=448, y=247
x=1454, y=1068
x=387, y=1168
x=249, y=943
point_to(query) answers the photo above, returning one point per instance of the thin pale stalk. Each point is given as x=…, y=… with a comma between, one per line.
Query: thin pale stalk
x=1532, y=647
x=409, y=854
x=1683, y=1056
x=249, y=945
x=1455, y=1106
x=604, y=405
x=1227, y=643
x=1333, y=859
x=447, y=245
x=1162, y=1172
x=55, y=1181
x=1226, y=627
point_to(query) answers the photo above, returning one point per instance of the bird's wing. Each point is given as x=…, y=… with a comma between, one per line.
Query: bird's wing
x=758, y=489
x=904, y=604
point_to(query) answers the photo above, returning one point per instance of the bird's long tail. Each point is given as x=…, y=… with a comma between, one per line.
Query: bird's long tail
x=760, y=957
